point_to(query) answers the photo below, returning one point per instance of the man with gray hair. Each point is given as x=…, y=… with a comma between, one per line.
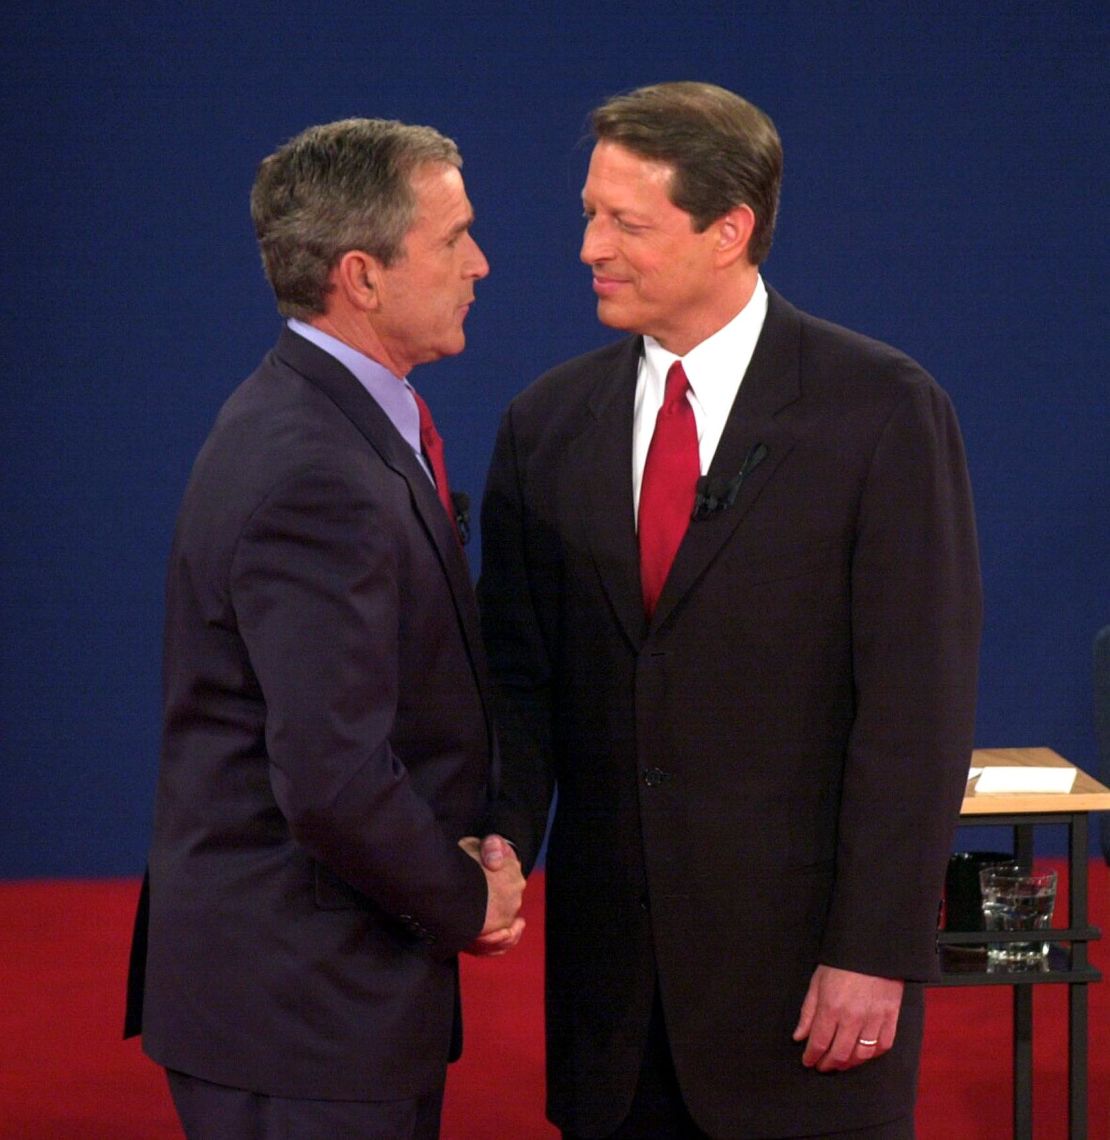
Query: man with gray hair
x=328, y=748
x=731, y=597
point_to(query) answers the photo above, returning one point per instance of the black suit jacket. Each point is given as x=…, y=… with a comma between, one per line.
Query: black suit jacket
x=767, y=775
x=326, y=743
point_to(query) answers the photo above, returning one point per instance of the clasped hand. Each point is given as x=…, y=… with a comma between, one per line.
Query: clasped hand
x=505, y=884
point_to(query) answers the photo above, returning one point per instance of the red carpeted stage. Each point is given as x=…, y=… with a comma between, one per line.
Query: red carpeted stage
x=66, y=1075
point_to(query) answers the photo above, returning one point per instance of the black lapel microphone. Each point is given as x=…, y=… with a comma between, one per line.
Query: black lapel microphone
x=716, y=493
x=460, y=500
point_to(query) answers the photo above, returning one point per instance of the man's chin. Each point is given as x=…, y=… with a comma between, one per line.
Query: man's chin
x=611, y=315
x=455, y=346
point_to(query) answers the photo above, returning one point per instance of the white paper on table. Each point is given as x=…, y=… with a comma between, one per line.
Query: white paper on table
x=1003, y=778
x=973, y=772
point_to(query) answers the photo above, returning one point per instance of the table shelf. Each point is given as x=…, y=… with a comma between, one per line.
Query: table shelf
x=1067, y=962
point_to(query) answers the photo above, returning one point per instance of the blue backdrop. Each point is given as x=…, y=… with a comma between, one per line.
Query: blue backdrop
x=946, y=172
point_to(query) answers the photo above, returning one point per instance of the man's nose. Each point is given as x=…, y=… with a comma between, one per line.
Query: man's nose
x=595, y=245
x=477, y=265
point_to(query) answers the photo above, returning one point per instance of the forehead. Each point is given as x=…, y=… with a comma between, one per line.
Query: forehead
x=440, y=194
x=615, y=169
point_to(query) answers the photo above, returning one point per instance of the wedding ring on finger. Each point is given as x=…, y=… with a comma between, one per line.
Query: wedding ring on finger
x=867, y=1042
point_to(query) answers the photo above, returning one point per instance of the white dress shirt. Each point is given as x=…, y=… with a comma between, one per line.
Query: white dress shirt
x=714, y=369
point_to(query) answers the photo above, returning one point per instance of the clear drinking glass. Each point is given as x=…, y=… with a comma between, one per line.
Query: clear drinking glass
x=1017, y=898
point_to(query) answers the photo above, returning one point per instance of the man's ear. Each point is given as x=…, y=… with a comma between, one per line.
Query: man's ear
x=357, y=277
x=734, y=234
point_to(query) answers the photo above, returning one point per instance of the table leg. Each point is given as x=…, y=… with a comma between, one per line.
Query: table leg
x=1023, y=1062
x=1077, y=991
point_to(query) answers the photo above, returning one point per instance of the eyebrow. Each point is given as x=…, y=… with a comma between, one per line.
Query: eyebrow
x=630, y=217
x=461, y=227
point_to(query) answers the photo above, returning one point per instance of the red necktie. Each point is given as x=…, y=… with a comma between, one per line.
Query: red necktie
x=432, y=444
x=668, y=487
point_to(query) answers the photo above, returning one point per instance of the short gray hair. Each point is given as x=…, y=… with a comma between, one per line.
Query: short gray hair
x=724, y=150
x=333, y=188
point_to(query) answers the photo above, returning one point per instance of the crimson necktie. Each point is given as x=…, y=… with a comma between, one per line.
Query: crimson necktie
x=432, y=444
x=668, y=487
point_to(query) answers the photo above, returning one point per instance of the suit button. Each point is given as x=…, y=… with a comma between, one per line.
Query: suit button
x=644, y=905
x=653, y=777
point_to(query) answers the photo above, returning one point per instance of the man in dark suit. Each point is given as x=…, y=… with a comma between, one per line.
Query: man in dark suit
x=731, y=598
x=328, y=739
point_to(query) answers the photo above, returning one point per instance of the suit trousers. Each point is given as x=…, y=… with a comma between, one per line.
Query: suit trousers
x=209, y=1110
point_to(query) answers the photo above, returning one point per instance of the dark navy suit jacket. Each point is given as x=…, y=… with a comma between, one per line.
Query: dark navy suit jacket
x=327, y=741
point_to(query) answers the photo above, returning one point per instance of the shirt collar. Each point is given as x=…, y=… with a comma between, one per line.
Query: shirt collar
x=725, y=354
x=392, y=393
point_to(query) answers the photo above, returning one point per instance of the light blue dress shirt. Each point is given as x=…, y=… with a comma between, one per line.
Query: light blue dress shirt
x=393, y=394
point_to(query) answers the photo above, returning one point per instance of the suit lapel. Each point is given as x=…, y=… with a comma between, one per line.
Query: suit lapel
x=340, y=386
x=770, y=384
x=600, y=462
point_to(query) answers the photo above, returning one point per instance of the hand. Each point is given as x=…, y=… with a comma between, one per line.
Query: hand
x=505, y=882
x=841, y=1009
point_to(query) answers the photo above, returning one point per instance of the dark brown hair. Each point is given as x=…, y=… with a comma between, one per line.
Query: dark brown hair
x=725, y=152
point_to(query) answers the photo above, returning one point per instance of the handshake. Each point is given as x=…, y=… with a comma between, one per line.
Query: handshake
x=505, y=885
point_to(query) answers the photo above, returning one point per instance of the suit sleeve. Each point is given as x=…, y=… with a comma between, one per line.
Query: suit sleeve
x=512, y=596
x=916, y=618
x=315, y=592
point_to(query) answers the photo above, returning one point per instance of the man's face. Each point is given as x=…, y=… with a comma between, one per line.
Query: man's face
x=652, y=273
x=426, y=293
